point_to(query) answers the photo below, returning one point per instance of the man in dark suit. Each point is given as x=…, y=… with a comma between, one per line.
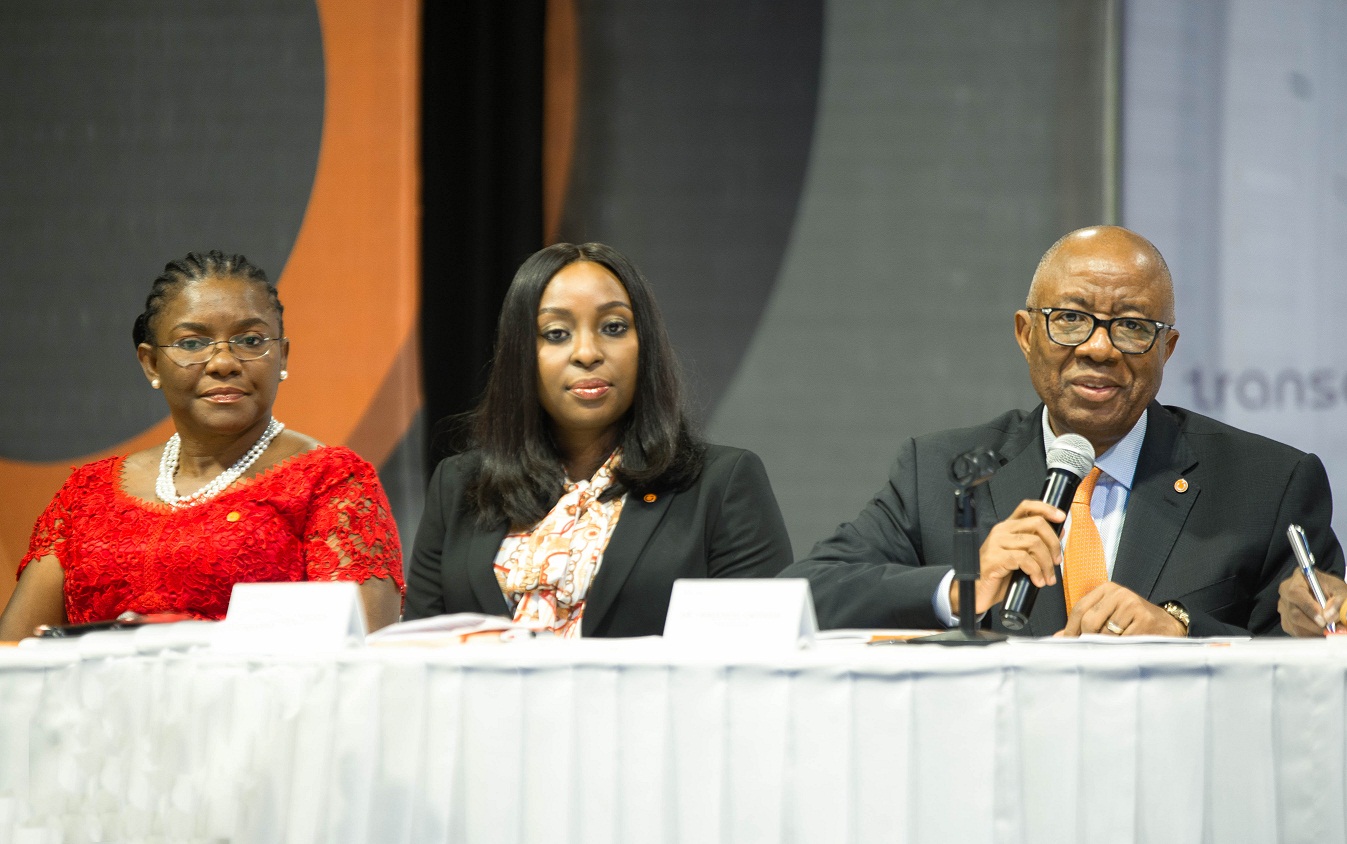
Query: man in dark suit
x=1187, y=516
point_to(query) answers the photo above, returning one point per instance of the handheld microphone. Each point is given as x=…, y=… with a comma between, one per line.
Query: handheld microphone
x=1070, y=459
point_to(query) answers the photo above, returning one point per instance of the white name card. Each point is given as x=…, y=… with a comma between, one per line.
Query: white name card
x=292, y=618
x=757, y=613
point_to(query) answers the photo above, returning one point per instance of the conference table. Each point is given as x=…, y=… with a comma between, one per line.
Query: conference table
x=120, y=738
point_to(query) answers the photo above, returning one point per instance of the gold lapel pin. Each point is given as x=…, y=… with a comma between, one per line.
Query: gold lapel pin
x=1181, y=485
x=650, y=497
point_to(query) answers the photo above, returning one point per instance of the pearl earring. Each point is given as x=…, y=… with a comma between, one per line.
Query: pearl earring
x=154, y=383
x=285, y=373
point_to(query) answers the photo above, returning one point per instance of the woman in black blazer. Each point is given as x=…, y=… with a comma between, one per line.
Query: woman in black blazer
x=584, y=494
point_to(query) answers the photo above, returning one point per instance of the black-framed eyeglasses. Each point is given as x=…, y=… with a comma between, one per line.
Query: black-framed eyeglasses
x=1129, y=335
x=193, y=351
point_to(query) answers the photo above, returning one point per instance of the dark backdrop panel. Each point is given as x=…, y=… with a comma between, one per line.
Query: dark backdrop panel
x=482, y=118
x=954, y=143
x=692, y=136
x=132, y=132
x=840, y=205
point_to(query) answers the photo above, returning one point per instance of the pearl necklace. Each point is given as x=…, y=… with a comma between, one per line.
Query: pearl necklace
x=168, y=468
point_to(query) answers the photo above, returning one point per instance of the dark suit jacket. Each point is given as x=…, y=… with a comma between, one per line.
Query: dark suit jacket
x=1219, y=547
x=727, y=524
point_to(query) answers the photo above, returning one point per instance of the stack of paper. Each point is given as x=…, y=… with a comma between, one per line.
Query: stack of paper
x=454, y=629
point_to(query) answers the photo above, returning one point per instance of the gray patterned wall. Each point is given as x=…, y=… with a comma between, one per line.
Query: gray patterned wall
x=840, y=204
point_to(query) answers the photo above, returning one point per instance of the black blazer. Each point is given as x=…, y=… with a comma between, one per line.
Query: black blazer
x=1219, y=547
x=727, y=524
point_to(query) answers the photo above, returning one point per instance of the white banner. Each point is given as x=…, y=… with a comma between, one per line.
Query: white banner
x=1235, y=165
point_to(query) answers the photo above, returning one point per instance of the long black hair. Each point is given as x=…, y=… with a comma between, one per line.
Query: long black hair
x=198, y=266
x=518, y=474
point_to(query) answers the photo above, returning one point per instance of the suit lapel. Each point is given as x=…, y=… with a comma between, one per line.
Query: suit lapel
x=1156, y=511
x=479, y=556
x=1021, y=478
x=1022, y=475
x=634, y=528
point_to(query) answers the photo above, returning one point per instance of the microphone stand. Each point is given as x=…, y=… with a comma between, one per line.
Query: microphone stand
x=966, y=569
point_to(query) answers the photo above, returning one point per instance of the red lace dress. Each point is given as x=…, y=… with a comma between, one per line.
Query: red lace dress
x=320, y=515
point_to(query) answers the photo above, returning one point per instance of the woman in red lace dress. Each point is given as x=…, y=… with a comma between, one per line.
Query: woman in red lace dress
x=232, y=497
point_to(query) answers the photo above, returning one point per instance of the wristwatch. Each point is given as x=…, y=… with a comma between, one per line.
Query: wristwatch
x=1176, y=609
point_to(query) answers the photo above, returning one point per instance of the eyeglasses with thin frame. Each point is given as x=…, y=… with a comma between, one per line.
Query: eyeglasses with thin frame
x=194, y=351
x=1129, y=334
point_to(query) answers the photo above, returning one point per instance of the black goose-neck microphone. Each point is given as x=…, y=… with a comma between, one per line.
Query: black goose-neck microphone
x=1070, y=459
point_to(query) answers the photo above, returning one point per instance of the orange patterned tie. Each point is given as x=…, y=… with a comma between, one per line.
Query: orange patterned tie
x=1084, y=567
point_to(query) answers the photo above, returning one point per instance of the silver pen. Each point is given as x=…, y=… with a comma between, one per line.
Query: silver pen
x=1305, y=559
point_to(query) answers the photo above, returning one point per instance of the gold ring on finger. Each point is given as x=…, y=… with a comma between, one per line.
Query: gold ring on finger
x=1113, y=628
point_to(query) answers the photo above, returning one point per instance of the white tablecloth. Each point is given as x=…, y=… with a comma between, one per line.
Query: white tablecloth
x=639, y=742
